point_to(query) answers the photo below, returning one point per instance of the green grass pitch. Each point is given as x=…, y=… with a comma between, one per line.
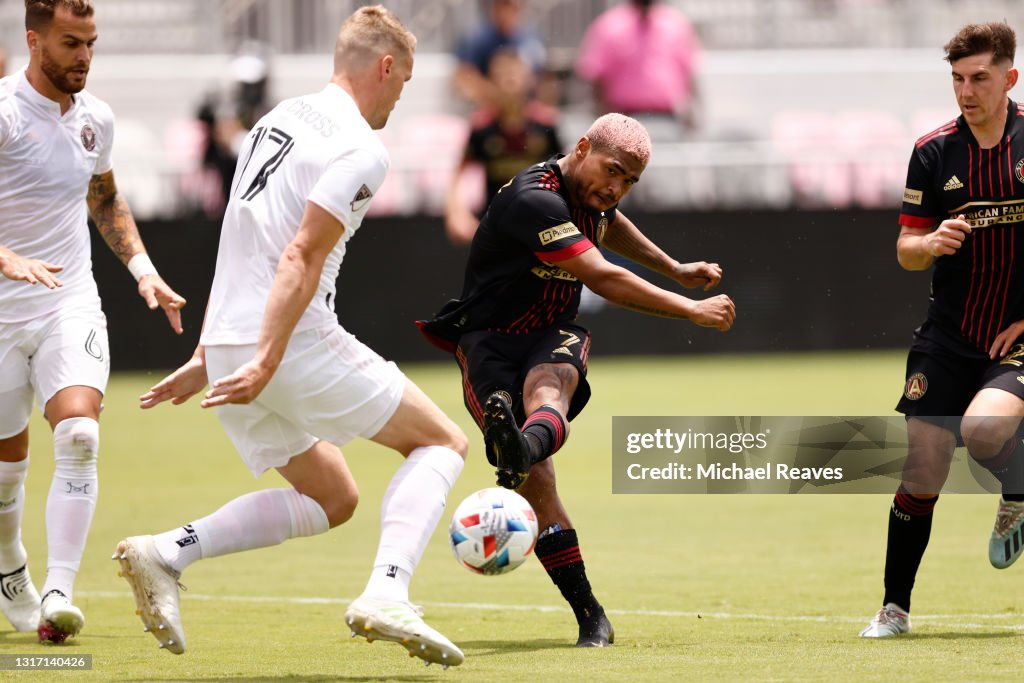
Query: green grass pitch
x=698, y=587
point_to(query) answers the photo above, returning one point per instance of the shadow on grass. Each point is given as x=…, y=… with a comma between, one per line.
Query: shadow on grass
x=292, y=677
x=963, y=635
x=487, y=648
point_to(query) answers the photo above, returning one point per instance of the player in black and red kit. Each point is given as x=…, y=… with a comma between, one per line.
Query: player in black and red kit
x=512, y=132
x=963, y=211
x=523, y=358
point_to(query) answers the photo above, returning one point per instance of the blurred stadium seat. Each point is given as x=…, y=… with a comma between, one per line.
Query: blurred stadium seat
x=810, y=140
x=876, y=143
x=433, y=143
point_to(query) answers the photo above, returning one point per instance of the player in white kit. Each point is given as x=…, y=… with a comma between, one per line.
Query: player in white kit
x=55, y=167
x=288, y=382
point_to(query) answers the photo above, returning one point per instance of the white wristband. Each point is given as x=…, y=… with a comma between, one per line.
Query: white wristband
x=140, y=266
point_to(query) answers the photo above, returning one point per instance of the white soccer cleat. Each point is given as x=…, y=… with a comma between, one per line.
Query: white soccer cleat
x=155, y=586
x=891, y=620
x=58, y=619
x=1006, y=543
x=19, y=599
x=401, y=623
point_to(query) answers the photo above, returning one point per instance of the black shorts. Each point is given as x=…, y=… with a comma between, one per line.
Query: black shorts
x=939, y=385
x=491, y=361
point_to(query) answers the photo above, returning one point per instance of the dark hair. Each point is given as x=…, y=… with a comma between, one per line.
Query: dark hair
x=39, y=13
x=975, y=39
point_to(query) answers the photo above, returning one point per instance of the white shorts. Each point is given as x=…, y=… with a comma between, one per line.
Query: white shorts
x=40, y=357
x=329, y=387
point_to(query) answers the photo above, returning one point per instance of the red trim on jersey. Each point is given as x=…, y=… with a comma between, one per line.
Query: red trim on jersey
x=475, y=409
x=944, y=129
x=549, y=181
x=443, y=344
x=999, y=286
x=1009, y=169
x=1009, y=271
x=566, y=253
x=975, y=245
x=990, y=239
x=991, y=185
x=522, y=320
x=999, y=169
x=970, y=170
x=910, y=221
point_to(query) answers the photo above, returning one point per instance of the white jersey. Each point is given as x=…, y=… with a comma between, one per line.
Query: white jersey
x=316, y=148
x=46, y=162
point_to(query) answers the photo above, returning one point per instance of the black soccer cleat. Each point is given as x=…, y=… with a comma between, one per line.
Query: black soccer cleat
x=596, y=631
x=503, y=438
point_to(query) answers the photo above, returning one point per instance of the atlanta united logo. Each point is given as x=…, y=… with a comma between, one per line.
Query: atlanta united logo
x=89, y=138
x=1019, y=171
x=602, y=226
x=916, y=385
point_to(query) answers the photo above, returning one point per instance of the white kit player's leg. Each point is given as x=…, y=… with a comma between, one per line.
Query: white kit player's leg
x=69, y=509
x=412, y=506
x=153, y=564
x=19, y=599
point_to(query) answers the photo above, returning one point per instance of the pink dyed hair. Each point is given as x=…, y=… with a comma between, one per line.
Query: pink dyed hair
x=618, y=132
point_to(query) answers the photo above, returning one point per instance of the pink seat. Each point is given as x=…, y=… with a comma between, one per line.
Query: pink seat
x=808, y=140
x=878, y=146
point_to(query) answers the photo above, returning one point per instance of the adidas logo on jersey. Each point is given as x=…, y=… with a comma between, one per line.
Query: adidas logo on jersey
x=952, y=184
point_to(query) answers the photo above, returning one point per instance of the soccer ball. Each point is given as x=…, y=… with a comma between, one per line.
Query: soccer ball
x=493, y=531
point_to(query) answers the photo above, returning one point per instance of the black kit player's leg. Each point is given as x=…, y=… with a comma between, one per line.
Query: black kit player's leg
x=559, y=552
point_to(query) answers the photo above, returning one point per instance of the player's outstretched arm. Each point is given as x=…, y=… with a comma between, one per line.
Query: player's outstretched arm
x=180, y=385
x=296, y=281
x=917, y=248
x=623, y=237
x=622, y=287
x=114, y=220
x=14, y=267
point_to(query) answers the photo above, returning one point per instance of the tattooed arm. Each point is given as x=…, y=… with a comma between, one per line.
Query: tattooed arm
x=622, y=287
x=114, y=220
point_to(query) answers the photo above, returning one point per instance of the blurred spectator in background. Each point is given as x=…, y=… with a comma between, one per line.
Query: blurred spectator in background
x=504, y=28
x=641, y=57
x=225, y=125
x=219, y=155
x=506, y=137
x=251, y=69
x=3, y=62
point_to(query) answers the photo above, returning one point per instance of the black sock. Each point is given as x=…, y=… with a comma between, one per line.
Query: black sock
x=910, y=525
x=559, y=552
x=545, y=431
x=1008, y=467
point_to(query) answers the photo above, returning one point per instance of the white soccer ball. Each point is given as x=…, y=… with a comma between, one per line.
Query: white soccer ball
x=493, y=531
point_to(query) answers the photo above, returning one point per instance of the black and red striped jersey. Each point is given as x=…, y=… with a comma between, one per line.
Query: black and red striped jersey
x=978, y=291
x=513, y=283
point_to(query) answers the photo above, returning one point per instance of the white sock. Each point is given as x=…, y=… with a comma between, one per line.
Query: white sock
x=72, y=500
x=412, y=506
x=12, y=506
x=255, y=520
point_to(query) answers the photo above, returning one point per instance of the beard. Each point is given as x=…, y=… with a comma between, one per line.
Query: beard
x=61, y=76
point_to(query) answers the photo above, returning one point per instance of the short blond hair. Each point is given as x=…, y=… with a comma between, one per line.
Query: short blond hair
x=370, y=32
x=620, y=133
